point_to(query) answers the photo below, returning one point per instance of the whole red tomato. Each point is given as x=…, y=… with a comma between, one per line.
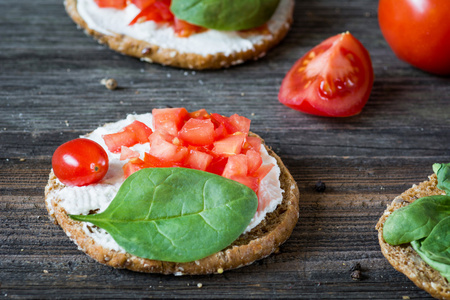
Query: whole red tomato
x=334, y=79
x=418, y=32
x=80, y=162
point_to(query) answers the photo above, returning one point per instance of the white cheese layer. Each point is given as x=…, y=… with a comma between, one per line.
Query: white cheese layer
x=97, y=197
x=110, y=21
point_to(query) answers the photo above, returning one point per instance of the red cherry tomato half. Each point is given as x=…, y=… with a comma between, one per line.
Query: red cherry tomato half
x=80, y=162
x=333, y=79
x=418, y=31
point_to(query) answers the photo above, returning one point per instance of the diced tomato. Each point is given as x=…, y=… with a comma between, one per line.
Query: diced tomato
x=200, y=114
x=158, y=12
x=198, y=160
x=228, y=146
x=185, y=29
x=115, y=141
x=132, y=166
x=127, y=153
x=164, y=150
x=251, y=182
x=154, y=162
x=262, y=171
x=197, y=132
x=253, y=143
x=254, y=160
x=217, y=165
x=219, y=119
x=170, y=119
x=236, y=166
x=119, y=4
x=242, y=124
x=220, y=132
x=141, y=131
x=141, y=4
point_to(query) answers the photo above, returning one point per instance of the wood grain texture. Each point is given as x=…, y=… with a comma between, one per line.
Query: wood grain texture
x=50, y=92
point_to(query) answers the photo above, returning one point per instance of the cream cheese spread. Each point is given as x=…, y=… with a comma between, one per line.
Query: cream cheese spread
x=110, y=21
x=97, y=197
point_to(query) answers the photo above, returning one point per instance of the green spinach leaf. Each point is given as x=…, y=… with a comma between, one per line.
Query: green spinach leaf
x=437, y=245
x=416, y=220
x=225, y=15
x=443, y=175
x=176, y=214
x=442, y=268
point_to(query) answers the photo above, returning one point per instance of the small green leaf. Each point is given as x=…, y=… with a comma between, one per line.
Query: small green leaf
x=442, y=268
x=225, y=15
x=416, y=220
x=443, y=175
x=437, y=245
x=176, y=214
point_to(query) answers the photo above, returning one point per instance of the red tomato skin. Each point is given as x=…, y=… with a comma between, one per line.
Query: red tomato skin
x=80, y=162
x=197, y=132
x=303, y=87
x=119, y=4
x=418, y=32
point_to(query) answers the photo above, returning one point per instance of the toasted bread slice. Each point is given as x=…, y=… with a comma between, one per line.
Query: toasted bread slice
x=403, y=257
x=260, y=42
x=258, y=243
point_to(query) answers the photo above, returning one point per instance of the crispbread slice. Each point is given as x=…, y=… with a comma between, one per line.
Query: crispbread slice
x=403, y=257
x=260, y=242
x=165, y=56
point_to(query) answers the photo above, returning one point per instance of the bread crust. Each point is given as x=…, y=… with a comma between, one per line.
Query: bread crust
x=154, y=53
x=260, y=242
x=403, y=257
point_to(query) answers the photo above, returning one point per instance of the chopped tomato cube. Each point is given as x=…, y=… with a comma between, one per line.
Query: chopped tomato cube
x=154, y=162
x=236, y=166
x=200, y=114
x=251, y=182
x=242, y=124
x=141, y=4
x=254, y=160
x=231, y=145
x=166, y=151
x=219, y=119
x=262, y=171
x=170, y=119
x=127, y=153
x=158, y=12
x=198, y=160
x=115, y=141
x=141, y=131
x=185, y=29
x=132, y=166
x=220, y=132
x=119, y=4
x=197, y=132
x=217, y=165
x=253, y=143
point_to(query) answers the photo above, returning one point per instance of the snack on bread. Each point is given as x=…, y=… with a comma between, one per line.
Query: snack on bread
x=151, y=42
x=258, y=242
x=403, y=257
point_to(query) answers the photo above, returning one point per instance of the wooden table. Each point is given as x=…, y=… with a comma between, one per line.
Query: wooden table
x=50, y=92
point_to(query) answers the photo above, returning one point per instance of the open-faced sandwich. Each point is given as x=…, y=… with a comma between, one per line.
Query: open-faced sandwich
x=173, y=192
x=414, y=233
x=194, y=34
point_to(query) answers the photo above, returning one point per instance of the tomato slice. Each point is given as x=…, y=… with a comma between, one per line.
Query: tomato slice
x=333, y=79
x=159, y=11
x=197, y=132
x=119, y=4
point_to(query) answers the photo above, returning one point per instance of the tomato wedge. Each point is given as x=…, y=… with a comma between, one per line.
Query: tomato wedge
x=333, y=79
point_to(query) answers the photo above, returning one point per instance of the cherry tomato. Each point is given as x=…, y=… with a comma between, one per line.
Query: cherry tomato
x=333, y=79
x=80, y=162
x=418, y=31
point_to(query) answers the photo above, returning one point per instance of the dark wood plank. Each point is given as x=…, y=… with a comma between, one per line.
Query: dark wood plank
x=50, y=92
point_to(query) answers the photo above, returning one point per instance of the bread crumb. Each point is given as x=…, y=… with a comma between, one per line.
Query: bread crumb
x=405, y=297
x=220, y=271
x=45, y=271
x=22, y=159
x=199, y=285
